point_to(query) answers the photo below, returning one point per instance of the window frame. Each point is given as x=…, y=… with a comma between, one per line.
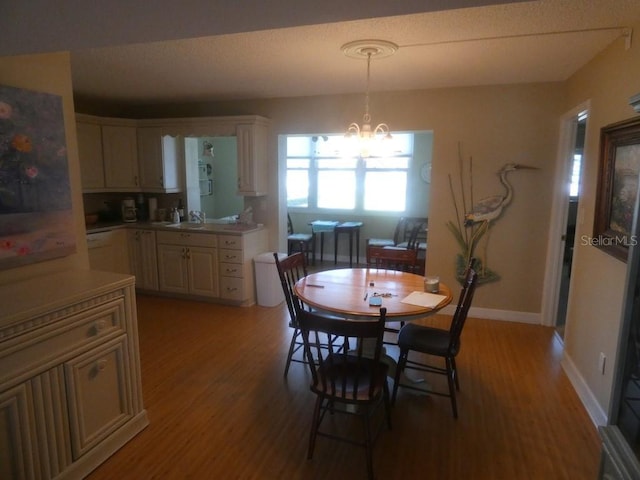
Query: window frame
x=360, y=170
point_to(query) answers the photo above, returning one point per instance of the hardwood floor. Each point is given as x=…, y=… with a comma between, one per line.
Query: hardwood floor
x=219, y=407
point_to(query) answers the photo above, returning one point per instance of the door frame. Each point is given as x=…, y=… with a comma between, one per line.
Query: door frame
x=558, y=217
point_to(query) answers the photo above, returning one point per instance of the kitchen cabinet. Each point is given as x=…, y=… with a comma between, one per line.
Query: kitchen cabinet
x=70, y=387
x=235, y=254
x=90, y=153
x=188, y=263
x=143, y=258
x=108, y=251
x=158, y=161
x=252, y=159
x=120, y=151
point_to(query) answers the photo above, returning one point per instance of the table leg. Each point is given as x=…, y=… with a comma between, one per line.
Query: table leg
x=357, y=246
x=321, y=246
x=350, y=248
x=335, y=246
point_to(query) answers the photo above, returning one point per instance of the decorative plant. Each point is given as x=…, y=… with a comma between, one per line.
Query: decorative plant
x=468, y=234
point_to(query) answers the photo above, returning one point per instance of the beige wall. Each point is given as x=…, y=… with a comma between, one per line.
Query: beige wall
x=595, y=309
x=496, y=125
x=50, y=73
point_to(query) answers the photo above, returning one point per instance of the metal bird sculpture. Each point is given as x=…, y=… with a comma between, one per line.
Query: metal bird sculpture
x=490, y=208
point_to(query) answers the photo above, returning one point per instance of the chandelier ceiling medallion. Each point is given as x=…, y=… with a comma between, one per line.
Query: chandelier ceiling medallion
x=368, y=49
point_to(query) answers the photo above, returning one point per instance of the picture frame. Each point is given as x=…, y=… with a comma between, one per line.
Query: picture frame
x=618, y=184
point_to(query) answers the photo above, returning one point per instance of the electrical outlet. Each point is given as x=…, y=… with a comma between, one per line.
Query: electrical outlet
x=602, y=363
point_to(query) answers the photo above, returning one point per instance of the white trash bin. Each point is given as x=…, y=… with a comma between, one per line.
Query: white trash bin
x=268, y=286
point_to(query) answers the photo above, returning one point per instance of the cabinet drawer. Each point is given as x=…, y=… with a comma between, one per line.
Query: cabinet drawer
x=59, y=338
x=187, y=239
x=231, y=288
x=231, y=270
x=230, y=256
x=230, y=241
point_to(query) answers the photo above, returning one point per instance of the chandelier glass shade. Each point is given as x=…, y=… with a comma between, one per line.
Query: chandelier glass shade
x=365, y=135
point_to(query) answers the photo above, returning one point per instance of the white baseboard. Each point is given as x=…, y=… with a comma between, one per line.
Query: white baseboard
x=493, y=314
x=598, y=416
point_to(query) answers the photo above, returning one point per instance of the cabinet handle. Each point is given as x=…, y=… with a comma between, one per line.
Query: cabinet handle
x=231, y=270
x=101, y=325
x=135, y=180
x=101, y=365
x=230, y=289
x=188, y=254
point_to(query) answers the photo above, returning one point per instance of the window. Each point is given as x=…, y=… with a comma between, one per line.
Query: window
x=323, y=174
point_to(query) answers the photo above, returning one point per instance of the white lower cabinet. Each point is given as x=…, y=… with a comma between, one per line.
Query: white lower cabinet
x=188, y=263
x=70, y=386
x=143, y=258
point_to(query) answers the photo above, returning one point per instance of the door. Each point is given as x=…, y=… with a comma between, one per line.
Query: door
x=573, y=180
x=203, y=271
x=565, y=218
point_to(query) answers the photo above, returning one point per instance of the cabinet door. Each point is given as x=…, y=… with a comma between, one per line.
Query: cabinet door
x=17, y=455
x=90, y=153
x=172, y=268
x=120, y=150
x=143, y=258
x=203, y=271
x=252, y=169
x=158, y=161
x=99, y=394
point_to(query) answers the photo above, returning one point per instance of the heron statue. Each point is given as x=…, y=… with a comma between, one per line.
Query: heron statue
x=490, y=208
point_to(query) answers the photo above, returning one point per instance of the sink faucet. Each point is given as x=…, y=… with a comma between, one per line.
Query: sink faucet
x=197, y=217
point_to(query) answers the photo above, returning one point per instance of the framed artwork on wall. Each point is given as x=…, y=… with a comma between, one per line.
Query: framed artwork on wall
x=36, y=218
x=618, y=185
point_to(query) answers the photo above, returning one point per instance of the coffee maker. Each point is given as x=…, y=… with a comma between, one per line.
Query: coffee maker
x=129, y=210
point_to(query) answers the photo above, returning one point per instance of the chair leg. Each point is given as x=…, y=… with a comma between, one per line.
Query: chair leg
x=367, y=441
x=315, y=424
x=452, y=388
x=387, y=404
x=455, y=372
x=402, y=361
x=292, y=346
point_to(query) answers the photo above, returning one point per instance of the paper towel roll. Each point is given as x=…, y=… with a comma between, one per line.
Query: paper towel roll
x=153, y=207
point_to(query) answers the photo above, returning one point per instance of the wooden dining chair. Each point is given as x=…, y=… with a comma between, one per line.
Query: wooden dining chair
x=394, y=258
x=436, y=342
x=299, y=242
x=290, y=270
x=346, y=382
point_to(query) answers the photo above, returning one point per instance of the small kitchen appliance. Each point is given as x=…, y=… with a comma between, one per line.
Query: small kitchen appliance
x=129, y=210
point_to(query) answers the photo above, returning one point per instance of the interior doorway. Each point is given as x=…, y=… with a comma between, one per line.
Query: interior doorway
x=572, y=179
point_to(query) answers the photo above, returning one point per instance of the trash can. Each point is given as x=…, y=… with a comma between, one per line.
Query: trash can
x=268, y=286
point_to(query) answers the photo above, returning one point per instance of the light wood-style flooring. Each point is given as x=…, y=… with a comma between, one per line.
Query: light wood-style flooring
x=219, y=407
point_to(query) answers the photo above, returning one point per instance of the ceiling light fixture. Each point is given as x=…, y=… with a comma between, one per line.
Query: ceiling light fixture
x=368, y=49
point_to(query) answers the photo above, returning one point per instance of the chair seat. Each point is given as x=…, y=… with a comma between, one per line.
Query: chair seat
x=300, y=237
x=380, y=242
x=421, y=245
x=434, y=341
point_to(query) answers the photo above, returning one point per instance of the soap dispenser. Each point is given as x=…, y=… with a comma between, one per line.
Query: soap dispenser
x=175, y=216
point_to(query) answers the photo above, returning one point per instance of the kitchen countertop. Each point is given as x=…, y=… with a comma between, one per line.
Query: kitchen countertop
x=209, y=227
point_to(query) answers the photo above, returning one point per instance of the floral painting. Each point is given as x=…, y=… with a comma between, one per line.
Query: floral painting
x=36, y=218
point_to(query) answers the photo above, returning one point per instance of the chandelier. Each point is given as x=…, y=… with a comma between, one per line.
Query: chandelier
x=365, y=134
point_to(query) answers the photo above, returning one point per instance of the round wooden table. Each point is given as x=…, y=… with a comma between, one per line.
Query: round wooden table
x=347, y=291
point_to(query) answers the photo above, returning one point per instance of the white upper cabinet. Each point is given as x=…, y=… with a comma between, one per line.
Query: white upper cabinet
x=252, y=159
x=120, y=150
x=158, y=161
x=90, y=153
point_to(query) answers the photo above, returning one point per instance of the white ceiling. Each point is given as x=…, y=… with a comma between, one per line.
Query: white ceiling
x=535, y=41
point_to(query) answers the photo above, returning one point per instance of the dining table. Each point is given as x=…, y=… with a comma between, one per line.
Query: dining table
x=348, y=292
